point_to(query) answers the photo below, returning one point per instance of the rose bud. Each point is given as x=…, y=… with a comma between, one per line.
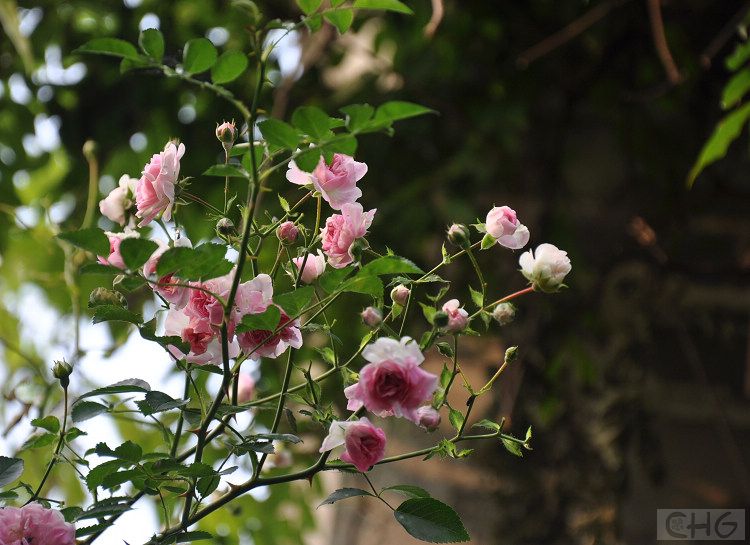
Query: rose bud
x=429, y=418
x=545, y=267
x=287, y=232
x=372, y=316
x=226, y=133
x=103, y=296
x=225, y=227
x=62, y=370
x=246, y=388
x=400, y=294
x=503, y=225
x=504, y=313
x=459, y=235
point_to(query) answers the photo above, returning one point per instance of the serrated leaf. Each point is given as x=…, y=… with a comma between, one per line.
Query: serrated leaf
x=391, y=264
x=308, y=159
x=333, y=278
x=512, y=447
x=229, y=66
x=312, y=121
x=294, y=302
x=122, y=387
x=397, y=110
x=408, y=490
x=477, y=297
x=267, y=320
x=487, y=424
x=152, y=43
x=49, y=423
x=136, y=251
x=39, y=440
x=431, y=520
x=357, y=116
x=86, y=410
x=107, y=313
x=198, y=56
x=200, y=263
x=387, y=5
x=226, y=170
x=157, y=402
x=110, y=46
x=342, y=494
x=445, y=349
x=188, y=537
x=341, y=18
x=92, y=240
x=456, y=418
x=364, y=283
x=488, y=241
x=10, y=469
x=279, y=133
x=308, y=6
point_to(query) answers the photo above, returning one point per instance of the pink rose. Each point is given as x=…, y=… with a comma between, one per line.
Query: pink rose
x=115, y=205
x=260, y=343
x=155, y=193
x=393, y=383
x=429, y=418
x=32, y=524
x=315, y=265
x=246, y=388
x=458, y=318
x=364, y=443
x=372, y=316
x=287, y=232
x=177, y=295
x=337, y=182
x=202, y=305
x=546, y=267
x=503, y=224
x=342, y=230
x=196, y=333
x=115, y=257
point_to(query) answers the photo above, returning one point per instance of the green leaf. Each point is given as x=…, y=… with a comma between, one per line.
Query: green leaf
x=364, y=283
x=96, y=476
x=487, y=424
x=308, y=159
x=456, y=418
x=408, y=490
x=488, y=241
x=152, y=43
x=157, y=402
x=428, y=312
x=148, y=332
x=226, y=170
x=86, y=410
x=107, y=313
x=430, y=520
x=130, y=452
x=200, y=263
x=735, y=89
x=312, y=121
x=264, y=321
x=512, y=447
x=333, y=278
x=340, y=18
x=444, y=348
x=10, y=469
x=136, y=251
x=279, y=133
x=726, y=132
x=390, y=264
x=344, y=493
x=388, y=5
x=198, y=56
x=92, y=240
x=308, y=6
x=739, y=56
x=294, y=302
x=49, y=423
x=229, y=66
x=40, y=440
x=398, y=109
x=357, y=116
x=110, y=46
x=477, y=297
x=123, y=387
x=188, y=537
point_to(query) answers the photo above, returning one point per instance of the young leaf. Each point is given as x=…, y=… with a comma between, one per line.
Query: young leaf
x=229, y=66
x=86, y=410
x=739, y=56
x=308, y=6
x=456, y=418
x=312, y=121
x=136, y=251
x=431, y=520
x=113, y=313
x=198, y=56
x=357, y=116
x=92, y=240
x=223, y=170
x=296, y=301
x=49, y=423
x=278, y=133
x=398, y=109
x=488, y=241
x=10, y=469
x=122, y=387
x=152, y=43
x=477, y=297
x=340, y=18
x=344, y=493
x=391, y=264
x=388, y=5
x=364, y=283
x=735, y=89
x=264, y=321
x=512, y=447
x=110, y=46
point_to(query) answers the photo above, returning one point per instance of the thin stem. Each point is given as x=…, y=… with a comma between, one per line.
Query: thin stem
x=58, y=448
x=375, y=491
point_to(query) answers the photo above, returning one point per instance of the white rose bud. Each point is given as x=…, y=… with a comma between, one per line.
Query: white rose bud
x=546, y=267
x=504, y=313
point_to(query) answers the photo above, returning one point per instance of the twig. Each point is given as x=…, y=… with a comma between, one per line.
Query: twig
x=723, y=36
x=660, y=42
x=437, y=16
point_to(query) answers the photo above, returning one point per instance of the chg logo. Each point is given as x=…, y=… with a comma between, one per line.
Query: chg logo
x=700, y=524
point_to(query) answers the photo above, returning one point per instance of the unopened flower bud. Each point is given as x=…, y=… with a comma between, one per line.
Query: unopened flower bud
x=62, y=370
x=225, y=227
x=429, y=418
x=226, y=134
x=287, y=232
x=504, y=313
x=511, y=353
x=372, y=316
x=440, y=319
x=104, y=296
x=400, y=294
x=459, y=235
x=246, y=388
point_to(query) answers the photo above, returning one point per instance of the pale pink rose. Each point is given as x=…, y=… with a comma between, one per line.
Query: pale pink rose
x=180, y=325
x=372, y=316
x=337, y=182
x=115, y=257
x=503, y=224
x=254, y=296
x=287, y=232
x=429, y=418
x=246, y=388
x=155, y=192
x=546, y=267
x=261, y=343
x=393, y=383
x=458, y=318
x=32, y=524
x=177, y=295
x=115, y=205
x=364, y=443
x=315, y=265
x=202, y=305
x=342, y=230
x=400, y=294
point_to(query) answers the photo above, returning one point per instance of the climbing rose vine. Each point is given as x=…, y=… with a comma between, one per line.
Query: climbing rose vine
x=267, y=281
